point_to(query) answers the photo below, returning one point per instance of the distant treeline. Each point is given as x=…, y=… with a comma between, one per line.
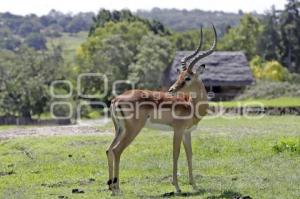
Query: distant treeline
x=52, y=23
x=33, y=30
x=183, y=20
x=56, y=22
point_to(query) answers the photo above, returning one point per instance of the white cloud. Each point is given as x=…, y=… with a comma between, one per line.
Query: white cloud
x=42, y=7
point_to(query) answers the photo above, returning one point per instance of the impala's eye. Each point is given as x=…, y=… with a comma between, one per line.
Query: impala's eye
x=187, y=78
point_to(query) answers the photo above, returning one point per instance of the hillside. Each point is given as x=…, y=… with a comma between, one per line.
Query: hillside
x=182, y=20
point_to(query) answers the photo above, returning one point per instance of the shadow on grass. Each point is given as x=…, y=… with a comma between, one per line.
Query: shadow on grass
x=226, y=194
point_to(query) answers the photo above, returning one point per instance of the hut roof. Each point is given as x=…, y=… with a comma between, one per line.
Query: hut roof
x=222, y=69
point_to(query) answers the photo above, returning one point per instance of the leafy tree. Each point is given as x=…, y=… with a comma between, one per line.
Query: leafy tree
x=10, y=21
x=270, y=41
x=110, y=51
x=131, y=34
x=8, y=40
x=189, y=40
x=80, y=22
x=243, y=37
x=290, y=31
x=112, y=58
x=119, y=50
x=105, y=16
x=36, y=41
x=25, y=77
x=281, y=36
x=29, y=26
x=154, y=54
x=53, y=30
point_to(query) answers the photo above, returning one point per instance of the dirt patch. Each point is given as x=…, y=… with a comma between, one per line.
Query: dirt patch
x=78, y=129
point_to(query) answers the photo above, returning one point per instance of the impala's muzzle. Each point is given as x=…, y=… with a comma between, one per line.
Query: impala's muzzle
x=171, y=90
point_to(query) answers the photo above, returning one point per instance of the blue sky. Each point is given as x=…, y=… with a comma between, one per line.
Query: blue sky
x=43, y=6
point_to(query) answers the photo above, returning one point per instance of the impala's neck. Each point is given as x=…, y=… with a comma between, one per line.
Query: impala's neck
x=199, y=98
x=198, y=92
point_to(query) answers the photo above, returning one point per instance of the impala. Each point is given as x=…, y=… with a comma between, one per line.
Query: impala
x=181, y=108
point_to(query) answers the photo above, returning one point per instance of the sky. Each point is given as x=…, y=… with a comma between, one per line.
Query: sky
x=41, y=7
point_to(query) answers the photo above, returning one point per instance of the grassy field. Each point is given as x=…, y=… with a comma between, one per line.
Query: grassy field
x=278, y=102
x=231, y=158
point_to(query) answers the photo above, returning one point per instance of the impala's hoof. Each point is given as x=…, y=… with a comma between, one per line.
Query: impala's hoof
x=109, y=182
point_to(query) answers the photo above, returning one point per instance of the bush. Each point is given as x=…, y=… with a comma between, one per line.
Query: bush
x=295, y=78
x=288, y=145
x=273, y=70
x=268, y=70
x=36, y=41
x=270, y=90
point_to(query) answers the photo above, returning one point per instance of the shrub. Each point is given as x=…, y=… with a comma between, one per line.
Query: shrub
x=291, y=145
x=270, y=90
x=256, y=66
x=268, y=70
x=295, y=78
x=273, y=70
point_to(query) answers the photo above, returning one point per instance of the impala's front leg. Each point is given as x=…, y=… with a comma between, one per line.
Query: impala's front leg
x=187, y=143
x=176, y=150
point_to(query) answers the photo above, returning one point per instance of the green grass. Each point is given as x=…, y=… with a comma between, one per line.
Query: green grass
x=289, y=145
x=278, y=102
x=69, y=42
x=231, y=157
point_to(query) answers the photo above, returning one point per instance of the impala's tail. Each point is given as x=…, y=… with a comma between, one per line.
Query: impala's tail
x=117, y=117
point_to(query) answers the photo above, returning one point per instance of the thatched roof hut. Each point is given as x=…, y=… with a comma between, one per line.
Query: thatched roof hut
x=226, y=73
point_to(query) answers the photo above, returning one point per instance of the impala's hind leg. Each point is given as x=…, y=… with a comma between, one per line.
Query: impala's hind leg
x=109, y=152
x=117, y=151
x=110, y=159
x=131, y=131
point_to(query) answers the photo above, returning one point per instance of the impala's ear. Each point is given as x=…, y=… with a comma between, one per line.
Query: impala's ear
x=200, y=69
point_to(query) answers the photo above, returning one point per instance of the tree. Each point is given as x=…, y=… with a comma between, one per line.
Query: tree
x=269, y=44
x=25, y=77
x=281, y=36
x=110, y=51
x=29, y=26
x=189, y=40
x=36, y=41
x=105, y=16
x=119, y=51
x=243, y=37
x=290, y=31
x=80, y=22
x=154, y=54
x=111, y=59
x=8, y=40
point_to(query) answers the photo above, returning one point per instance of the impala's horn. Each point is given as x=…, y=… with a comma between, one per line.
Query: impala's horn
x=186, y=58
x=206, y=53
